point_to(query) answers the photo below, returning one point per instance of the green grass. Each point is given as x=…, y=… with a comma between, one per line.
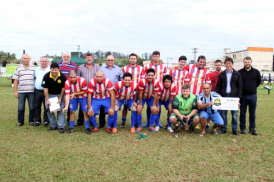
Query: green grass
x=34, y=154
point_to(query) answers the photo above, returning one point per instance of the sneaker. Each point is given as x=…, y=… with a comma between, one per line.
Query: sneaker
x=123, y=125
x=51, y=128
x=132, y=130
x=243, y=131
x=94, y=129
x=207, y=127
x=70, y=130
x=114, y=130
x=61, y=130
x=46, y=124
x=161, y=126
x=170, y=129
x=109, y=130
x=37, y=124
x=31, y=123
x=146, y=125
x=152, y=129
x=138, y=130
x=191, y=130
x=197, y=127
x=157, y=128
x=253, y=132
x=88, y=131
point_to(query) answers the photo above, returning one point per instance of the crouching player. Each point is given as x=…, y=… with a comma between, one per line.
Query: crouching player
x=205, y=105
x=148, y=89
x=166, y=97
x=185, y=109
x=101, y=94
x=76, y=92
x=125, y=91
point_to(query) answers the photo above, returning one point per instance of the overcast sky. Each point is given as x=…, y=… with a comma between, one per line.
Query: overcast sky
x=174, y=27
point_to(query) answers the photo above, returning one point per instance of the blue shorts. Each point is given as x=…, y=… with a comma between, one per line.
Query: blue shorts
x=73, y=104
x=126, y=103
x=215, y=118
x=97, y=103
x=165, y=103
x=148, y=101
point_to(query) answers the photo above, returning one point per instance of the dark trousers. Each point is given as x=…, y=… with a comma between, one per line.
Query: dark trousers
x=251, y=102
x=102, y=117
x=39, y=98
x=21, y=106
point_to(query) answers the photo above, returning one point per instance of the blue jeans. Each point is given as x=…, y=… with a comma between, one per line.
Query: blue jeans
x=21, y=106
x=251, y=102
x=234, y=121
x=60, y=114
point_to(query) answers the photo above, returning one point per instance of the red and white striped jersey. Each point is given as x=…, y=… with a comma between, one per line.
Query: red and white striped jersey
x=160, y=70
x=100, y=90
x=123, y=92
x=148, y=88
x=137, y=72
x=197, y=78
x=79, y=86
x=166, y=93
x=180, y=77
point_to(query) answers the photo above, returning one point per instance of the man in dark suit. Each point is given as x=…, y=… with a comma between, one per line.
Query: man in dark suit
x=229, y=85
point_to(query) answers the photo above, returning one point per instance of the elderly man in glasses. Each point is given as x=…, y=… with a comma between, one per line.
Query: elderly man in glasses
x=114, y=73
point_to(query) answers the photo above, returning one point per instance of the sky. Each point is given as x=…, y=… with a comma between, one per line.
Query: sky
x=173, y=27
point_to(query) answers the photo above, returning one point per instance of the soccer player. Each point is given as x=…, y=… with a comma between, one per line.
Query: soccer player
x=76, y=92
x=166, y=96
x=148, y=89
x=125, y=91
x=100, y=93
x=160, y=71
x=205, y=102
x=198, y=75
x=185, y=109
x=137, y=73
x=179, y=75
x=214, y=79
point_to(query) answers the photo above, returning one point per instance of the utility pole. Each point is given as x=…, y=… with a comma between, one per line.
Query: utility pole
x=78, y=50
x=194, y=52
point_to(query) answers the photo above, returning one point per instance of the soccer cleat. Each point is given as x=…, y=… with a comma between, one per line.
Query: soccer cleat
x=132, y=130
x=170, y=129
x=152, y=129
x=138, y=130
x=157, y=128
x=123, y=125
x=94, y=129
x=187, y=127
x=197, y=127
x=88, y=131
x=70, y=130
x=114, y=130
x=146, y=125
x=109, y=130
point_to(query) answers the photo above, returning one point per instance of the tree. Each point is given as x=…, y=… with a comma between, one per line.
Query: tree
x=192, y=62
x=108, y=53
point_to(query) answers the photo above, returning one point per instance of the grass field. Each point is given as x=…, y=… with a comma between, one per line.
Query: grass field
x=34, y=154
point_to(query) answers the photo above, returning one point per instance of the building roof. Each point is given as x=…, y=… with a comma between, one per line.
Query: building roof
x=259, y=49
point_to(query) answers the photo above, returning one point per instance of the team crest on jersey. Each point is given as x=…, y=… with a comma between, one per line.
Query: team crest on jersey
x=174, y=74
x=95, y=88
x=192, y=71
x=121, y=90
x=58, y=81
x=145, y=87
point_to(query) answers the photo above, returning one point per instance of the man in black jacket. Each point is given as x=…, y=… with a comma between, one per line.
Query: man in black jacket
x=251, y=80
x=229, y=85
